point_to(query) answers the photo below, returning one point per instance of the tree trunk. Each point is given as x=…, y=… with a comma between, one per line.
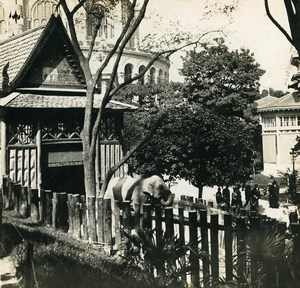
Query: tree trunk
x=89, y=170
x=200, y=191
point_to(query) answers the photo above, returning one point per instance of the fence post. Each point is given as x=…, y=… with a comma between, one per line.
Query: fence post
x=169, y=221
x=194, y=260
x=107, y=226
x=100, y=220
x=71, y=212
x=42, y=205
x=182, y=238
x=34, y=204
x=241, y=247
x=91, y=206
x=76, y=215
x=214, y=242
x=204, y=246
x=24, y=208
x=62, y=211
x=17, y=195
x=295, y=261
x=85, y=232
x=54, y=210
x=5, y=190
x=117, y=226
x=147, y=217
x=48, y=195
x=254, y=226
x=228, y=246
x=158, y=222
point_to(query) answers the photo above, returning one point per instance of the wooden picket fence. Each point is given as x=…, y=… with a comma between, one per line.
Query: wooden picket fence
x=221, y=233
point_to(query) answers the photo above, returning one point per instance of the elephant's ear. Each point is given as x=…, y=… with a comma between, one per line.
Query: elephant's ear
x=147, y=187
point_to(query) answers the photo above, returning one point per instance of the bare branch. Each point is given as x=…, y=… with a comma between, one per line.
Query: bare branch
x=282, y=30
x=113, y=51
x=113, y=169
x=78, y=6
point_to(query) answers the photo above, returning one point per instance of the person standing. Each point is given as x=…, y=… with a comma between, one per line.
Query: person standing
x=219, y=198
x=226, y=195
x=247, y=194
x=255, y=196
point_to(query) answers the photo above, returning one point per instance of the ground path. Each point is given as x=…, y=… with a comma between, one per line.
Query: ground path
x=8, y=277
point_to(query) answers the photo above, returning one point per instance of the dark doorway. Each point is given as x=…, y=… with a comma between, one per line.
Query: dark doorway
x=68, y=179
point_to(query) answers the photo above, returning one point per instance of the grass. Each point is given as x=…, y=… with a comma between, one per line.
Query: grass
x=60, y=260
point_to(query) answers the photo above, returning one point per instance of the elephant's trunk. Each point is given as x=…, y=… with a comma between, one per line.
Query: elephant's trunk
x=169, y=200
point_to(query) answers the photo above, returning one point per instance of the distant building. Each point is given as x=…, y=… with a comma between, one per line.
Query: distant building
x=280, y=121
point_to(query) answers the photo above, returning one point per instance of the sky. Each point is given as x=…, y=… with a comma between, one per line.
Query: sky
x=249, y=27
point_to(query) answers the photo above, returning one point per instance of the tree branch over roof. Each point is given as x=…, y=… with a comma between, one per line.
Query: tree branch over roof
x=281, y=29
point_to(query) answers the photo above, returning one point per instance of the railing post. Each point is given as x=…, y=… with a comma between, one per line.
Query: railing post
x=228, y=246
x=194, y=260
x=214, y=242
x=147, y=217
x=34, y=204
x=17, y=196
x=182, y=238
x=241, y=248
x=107, y=226
x=91, y=218
x=24, y=208
x=85, y=232
x=76, y=215
x=204, y=246
x=48, y=195
x=169, y=221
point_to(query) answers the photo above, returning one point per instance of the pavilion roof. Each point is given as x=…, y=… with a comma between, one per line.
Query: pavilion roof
x=290, y=101
x=38, y=101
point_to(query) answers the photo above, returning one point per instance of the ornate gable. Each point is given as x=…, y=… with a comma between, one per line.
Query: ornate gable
x=42, y=57
x=54, y=66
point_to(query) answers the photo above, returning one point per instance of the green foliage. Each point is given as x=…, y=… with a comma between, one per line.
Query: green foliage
x=222, y=80
x=198, y=145
x=210, y=132
x=157, y=261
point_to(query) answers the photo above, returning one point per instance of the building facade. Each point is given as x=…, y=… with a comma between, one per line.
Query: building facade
x=42, y=93
x=280, y=121
x=18, y=16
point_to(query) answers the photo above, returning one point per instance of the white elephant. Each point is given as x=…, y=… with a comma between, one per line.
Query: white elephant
x=139, y=191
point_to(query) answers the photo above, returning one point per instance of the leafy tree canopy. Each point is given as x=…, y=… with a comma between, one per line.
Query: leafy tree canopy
x=222, y=80
x=209, y=131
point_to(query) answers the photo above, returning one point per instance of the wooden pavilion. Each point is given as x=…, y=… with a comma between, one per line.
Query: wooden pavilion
x=41, y=113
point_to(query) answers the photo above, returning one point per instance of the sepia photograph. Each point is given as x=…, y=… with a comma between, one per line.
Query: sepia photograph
x=149, y=143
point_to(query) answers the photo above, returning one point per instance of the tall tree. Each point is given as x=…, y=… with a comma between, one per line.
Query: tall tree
x=135, y=14
x=209, y=139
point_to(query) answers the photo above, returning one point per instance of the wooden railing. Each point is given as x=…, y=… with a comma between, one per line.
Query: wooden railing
x=222, y=234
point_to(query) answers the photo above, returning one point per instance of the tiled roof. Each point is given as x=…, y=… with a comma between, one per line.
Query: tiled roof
x=28, y=100
x=287, y=102
x=17, y=50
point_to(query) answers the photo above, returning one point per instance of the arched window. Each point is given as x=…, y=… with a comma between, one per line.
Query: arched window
x=128, y=72
x=152, y=75
x=3, y=28
x=41, y=12
x=142, y=79
x=166, y=76
x=160, y=76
